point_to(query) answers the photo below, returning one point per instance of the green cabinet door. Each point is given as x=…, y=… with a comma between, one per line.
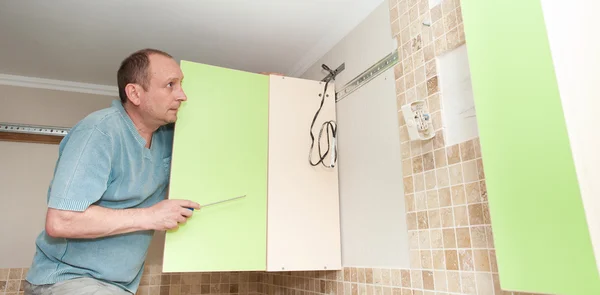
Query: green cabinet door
x=540, y=232
x=220, y=152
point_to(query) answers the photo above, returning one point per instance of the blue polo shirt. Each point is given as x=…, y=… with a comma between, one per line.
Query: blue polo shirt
x=103, y=161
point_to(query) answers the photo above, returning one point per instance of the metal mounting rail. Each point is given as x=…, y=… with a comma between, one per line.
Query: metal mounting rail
x=375, y=70
x=33, y=129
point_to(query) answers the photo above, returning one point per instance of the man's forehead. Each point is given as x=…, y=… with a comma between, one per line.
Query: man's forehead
x=164, y=67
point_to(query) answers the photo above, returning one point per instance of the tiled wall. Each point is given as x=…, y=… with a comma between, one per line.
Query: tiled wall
x=155, y=283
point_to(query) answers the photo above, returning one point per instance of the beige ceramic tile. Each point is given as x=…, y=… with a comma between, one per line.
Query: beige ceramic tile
x=437, y=240
x=481, y=260
x=480, y=170
x=400, y=85
x=424, y=239
x=470, y=171
x=419, y=181
x=421, y=201
x=408, y=185
x=409, y=202
x=453, y=153
x=409, y=80
x=463, y=237
x=439, y=260
x=468, y=283
x=440, y=281
x=416, y=279
x=405, y=150
x=432, y=85
x=465, y=259
x=476, y=214
x=430, y=180
x=417, y=163
x=447, y=217
x=419, y=59
x=426, y=260
x=394, y=14
x=440, y=45
x=420, y=75
x=436, y=13
x=423, y=7
x=458, y=195
x=449, y=238
x=450, y=21
x=467, y=150
x=438, y=140
x=440, y=159
x=461, y=217
x=438, y=29
x=411, y=220
x=451, y=259
x=477, y=147
x=413, y=239
x=453, y=39
x=433, y=201
x=429, y=52
x=437, y=120
x=406, y=279
x=456, y=174
x=489, y=236
x=448, y=6
x=421, y=91
x=428, y=161
x=472, y=193
x=415, y=259
x=431, y=71
x=486, y=213
x=434, y=218
x=454, y=284
x=428, y=280
x=444, y=196
x=478, y=237
x=422, y=220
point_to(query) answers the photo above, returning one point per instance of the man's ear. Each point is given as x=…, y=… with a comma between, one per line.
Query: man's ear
x=134, y=93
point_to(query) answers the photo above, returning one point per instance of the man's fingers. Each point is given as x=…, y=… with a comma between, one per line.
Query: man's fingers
x=190, y=204
x=186, y=212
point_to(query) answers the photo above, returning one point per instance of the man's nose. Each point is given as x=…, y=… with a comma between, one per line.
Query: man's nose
x=181, y=96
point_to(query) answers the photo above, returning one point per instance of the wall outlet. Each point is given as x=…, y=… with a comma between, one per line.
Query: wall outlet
x=418, y=120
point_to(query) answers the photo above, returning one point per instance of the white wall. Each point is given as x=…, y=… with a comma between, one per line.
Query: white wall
x=374, y=232
x=572, y=30
x=27, y=168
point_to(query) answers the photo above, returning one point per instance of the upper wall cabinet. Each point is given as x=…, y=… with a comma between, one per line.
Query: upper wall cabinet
x=247, y=134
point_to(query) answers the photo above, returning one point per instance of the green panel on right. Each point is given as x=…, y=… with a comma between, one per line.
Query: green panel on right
x=540, y=232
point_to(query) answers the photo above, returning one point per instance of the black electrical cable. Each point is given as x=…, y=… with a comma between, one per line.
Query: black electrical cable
x=329, y=126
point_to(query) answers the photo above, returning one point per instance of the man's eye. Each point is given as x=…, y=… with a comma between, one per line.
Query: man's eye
x=170, y=84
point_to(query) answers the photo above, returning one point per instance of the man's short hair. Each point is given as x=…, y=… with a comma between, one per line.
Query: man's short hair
x=134, y=69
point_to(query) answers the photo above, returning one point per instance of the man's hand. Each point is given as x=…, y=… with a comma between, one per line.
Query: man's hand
x=168, y=214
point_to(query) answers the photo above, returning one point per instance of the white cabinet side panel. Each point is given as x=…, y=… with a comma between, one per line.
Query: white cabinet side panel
x=373, y=215
x=575, y=51
x=303, y=201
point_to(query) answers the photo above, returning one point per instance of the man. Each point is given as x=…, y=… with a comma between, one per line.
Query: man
x=107, y=196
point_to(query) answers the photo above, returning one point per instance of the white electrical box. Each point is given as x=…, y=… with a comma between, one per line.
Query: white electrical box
x=418, y=120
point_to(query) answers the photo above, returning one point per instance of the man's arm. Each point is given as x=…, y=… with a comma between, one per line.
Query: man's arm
x=98, y=221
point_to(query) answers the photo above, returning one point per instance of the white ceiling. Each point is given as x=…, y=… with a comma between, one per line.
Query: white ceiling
x=84, y=41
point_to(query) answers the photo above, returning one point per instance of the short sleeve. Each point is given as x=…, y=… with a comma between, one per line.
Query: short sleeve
x=82, y=172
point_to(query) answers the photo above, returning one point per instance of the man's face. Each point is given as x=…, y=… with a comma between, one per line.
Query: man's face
x=164, y=94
